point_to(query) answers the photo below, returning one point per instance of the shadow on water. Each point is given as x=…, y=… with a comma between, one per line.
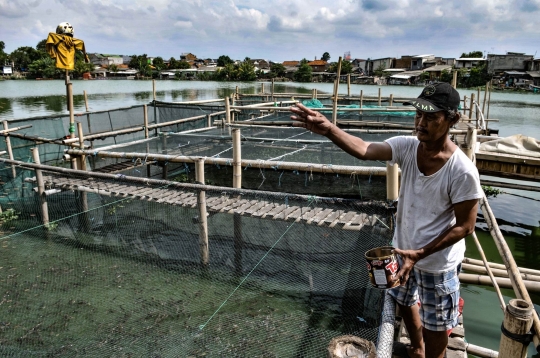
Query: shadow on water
x=5, y=105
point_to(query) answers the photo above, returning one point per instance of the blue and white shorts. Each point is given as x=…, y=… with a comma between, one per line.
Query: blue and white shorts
x=438, y=294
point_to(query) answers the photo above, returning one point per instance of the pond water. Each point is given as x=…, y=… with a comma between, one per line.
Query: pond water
x=518, y=113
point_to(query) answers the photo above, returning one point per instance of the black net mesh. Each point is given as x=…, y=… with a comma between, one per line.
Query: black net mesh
x=121, y=269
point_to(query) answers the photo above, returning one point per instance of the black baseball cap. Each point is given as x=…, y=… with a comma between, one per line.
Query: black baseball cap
x=436, y=97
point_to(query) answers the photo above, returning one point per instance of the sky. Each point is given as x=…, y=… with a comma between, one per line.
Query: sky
x=280, y=30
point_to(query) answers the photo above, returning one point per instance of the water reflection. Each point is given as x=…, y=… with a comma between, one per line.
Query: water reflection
x=5, y=106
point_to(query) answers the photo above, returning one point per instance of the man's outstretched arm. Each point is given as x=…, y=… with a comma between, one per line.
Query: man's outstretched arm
x=318, y=123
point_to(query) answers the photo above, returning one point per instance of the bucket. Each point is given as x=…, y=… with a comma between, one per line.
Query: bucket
x=382, y=265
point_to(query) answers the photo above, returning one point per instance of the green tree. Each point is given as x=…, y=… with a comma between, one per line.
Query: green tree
x=380, y=70
x=325, y=56
x=227, y=73
x=113, y=68
x=82, y=67
x=43, y=68
x=346, y=67
x=277, y=70
x=41, y=45
x=183, y=65
x=446, y=76
x=173, y=63
x=472, y=54
x=158, y=63
x=24, y=56
x=224, y=60
x=246, y=70
x=303, y=74
x=3, y=55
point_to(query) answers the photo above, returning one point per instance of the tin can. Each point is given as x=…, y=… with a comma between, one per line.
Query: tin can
x=383, y=266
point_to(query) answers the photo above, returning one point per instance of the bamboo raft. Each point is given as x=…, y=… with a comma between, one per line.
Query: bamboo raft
x=338, y=219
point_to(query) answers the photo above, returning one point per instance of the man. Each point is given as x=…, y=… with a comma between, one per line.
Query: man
x=438, y=203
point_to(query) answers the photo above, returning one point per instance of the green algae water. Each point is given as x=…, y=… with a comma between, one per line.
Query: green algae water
x=517, y=211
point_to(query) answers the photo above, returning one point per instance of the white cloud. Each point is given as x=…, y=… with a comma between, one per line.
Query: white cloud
x=278, y=29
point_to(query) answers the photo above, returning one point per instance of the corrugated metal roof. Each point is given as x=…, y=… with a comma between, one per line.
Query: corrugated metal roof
x=470, y=59
x=517, y=73
x=394, y=70
x=438, y=68
x=534, y=74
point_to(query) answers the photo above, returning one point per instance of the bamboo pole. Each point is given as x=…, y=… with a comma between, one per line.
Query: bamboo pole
x=203, y=220
x=336, y=91
x=519, y=286
x=517, y=321
x=272, y=89
x=478, y=98
x=489, y=97
x=488, y=270
x=392, y=182
x=361, y=98
x=41, y=188
x=348, y=84
x=82, y=158
x=84, y=219
x=391, y=100
x=482, y=280
x=227, y=110
x=454, y=79
x=315, y=93
x=237, y=158
x=85, y=101
x=237, y=93
x=309, y=167
x=469, y=148
x=485, y=97
x=497, y=272
x=165, y=171
x=145, y=116
x=500, y=266
x=237, y=183
x=481, y=351
x=379, y=98
x=9, y=148
x=154, y=90
x=262, y=88
x=465, y=105
x=471, y=106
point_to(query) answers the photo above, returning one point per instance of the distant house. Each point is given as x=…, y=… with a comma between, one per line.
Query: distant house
x=512, y=61
x=417, y=62
x=100, y=59
x=318, y=65
x=261, y=64
x=534, y=77
x=383, y=63
x=403, y=62
x=405, y=78
x=188, y=57
x=7, y=70
x=436, y=71
x=469, y=62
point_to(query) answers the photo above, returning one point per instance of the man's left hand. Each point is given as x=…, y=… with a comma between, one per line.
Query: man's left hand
x=409, y=258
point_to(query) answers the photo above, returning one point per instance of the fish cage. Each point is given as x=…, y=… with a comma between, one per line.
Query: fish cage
x=272, y=158
x=100, y=264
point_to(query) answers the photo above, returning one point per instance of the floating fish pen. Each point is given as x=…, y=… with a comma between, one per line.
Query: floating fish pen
x=194, y=229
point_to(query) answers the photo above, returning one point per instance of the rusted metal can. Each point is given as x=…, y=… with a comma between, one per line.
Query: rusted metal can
x=382, y=265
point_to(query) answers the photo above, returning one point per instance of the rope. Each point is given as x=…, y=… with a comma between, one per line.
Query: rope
x=202, y=326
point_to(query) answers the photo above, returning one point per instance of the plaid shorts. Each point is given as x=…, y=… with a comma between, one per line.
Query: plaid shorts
x=438, y=294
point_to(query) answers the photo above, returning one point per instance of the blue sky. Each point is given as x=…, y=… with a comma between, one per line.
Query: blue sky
x=280, y=30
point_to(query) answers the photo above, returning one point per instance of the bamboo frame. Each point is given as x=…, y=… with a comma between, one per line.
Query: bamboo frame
x=518, y=284
x=237, y=158
x=203, y=216
x=500, y=266
x=309, y=167
x=336, y=92
x=227, y=110
x=85, y=101
x=518, y=321
x=379, y=98
x=145, y=116
x=9, y=148
x=41, y=188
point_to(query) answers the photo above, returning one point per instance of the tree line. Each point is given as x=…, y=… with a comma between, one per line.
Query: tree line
x=37, y=63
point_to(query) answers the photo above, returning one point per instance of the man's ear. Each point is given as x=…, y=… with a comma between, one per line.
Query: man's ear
x=456, y=118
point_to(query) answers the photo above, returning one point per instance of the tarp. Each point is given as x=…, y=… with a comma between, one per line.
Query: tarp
x=515, y=145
